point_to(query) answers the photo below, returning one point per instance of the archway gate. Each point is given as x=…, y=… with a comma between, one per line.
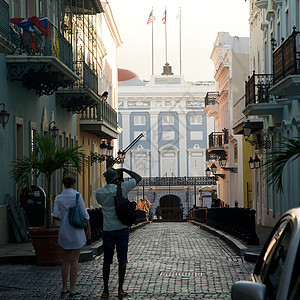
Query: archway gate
x=170, y=213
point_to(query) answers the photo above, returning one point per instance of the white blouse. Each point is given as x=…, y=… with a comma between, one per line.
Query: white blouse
x=69, y=237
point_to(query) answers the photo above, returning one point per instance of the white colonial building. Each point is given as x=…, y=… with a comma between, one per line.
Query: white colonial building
x=170, y=113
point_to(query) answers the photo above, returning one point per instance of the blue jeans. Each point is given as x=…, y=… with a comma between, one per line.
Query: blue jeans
x=118, y=239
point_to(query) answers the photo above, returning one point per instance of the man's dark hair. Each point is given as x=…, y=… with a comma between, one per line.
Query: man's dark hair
x=68, y=181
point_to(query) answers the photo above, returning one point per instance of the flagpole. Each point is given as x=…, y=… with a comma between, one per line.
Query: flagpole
x=152, y=48
x=166, y=34
x=180, y=63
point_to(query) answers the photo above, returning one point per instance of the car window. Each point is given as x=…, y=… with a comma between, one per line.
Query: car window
x=294, y=292
x=274, y=258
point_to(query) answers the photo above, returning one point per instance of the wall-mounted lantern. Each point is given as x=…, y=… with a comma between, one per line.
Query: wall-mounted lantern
x=53, y=130
x=4, y=116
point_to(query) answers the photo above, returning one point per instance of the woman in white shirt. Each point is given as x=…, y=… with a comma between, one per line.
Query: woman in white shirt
x=71, y=239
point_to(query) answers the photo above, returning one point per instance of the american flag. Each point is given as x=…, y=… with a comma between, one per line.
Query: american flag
x=151, y=17
x=164, y=19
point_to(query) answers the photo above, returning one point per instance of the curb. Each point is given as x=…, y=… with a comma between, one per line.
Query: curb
x=87, y=253
x=235, y=244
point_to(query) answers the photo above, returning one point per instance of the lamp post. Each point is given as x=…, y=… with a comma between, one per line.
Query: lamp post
x=4, y=116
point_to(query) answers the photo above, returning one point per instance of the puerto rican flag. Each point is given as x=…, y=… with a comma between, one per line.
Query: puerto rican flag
x=33, y=24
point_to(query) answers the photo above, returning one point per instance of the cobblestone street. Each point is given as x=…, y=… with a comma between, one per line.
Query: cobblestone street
x=166, y=261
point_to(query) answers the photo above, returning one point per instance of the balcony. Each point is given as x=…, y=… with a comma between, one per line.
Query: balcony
x=42, y=63
x=211, y=97
x=211, y=104
x=100, y=120
x=286, y=66
x=5, y=45
x=257, y=89
x=217, y=142
x=83, y=93
x=210, y=157
x=259, y=100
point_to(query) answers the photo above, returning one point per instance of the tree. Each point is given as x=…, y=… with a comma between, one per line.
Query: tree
x=45, y=159
x=288, y=150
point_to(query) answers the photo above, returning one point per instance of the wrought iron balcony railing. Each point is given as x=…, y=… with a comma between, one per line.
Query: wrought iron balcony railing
x=218, y=139
x=101, y=112
x=286, y=58
x=257, y=89
x=4, y=17
x=211, y=97
x=87, y=77
x=34, y=44
x=211, y=156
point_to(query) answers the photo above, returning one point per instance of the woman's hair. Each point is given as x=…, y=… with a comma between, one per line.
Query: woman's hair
x=68, y=181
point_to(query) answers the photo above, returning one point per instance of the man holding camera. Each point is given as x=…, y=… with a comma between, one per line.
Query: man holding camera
x=115, y=233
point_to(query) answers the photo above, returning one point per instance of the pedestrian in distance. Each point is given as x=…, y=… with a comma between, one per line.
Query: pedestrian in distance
x=142, y=205
x=115, y=234
x=134, y=204
x=71, y=239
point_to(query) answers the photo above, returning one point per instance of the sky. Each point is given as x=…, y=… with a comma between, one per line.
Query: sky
x=201, y=20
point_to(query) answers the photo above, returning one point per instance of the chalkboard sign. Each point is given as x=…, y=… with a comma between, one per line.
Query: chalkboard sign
x=34, y=202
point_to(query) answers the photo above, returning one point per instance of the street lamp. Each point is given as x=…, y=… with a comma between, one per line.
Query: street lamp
x=106, y=153
x=53, y=130
x=4, y=116
x=251, y=163
x=247, y=130
x=262, y=143
x=273, y=43
x=256, y=162
x=223, y=161
x=213, y=168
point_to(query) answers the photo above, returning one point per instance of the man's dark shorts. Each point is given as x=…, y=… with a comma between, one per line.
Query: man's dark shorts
x=118, y=239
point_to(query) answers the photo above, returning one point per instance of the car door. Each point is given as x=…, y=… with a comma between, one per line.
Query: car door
x=271, y=263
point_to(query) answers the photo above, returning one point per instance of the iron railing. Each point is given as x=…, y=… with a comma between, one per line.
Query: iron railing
x=257, y=89
x=31, y=43
x=177, y=181
x=87, y=77
x=211, y=97
x=218, y=139
x=211, y=156
x=102, y=112
x=4, y=19
x=286, y=58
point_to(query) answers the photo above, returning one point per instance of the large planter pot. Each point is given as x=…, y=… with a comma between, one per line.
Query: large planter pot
x=45, y=244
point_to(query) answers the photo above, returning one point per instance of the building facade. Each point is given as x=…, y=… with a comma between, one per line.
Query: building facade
x=226, y=150
x=52, y=77
x=272, y=102
x=170, y=113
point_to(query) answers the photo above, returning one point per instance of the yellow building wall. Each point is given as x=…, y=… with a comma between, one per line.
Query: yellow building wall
x=87, y=178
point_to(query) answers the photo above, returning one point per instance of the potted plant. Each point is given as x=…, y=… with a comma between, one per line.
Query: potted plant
x=46, y=158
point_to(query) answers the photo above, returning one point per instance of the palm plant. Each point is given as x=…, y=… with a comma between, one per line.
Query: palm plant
x=45, y=159
x=288, y=150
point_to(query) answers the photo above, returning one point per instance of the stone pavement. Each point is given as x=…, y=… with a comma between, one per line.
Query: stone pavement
x=166, y=261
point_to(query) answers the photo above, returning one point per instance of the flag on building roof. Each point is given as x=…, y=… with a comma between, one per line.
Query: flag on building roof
x=151, y=17
x=33, y=24
x=164, y=19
